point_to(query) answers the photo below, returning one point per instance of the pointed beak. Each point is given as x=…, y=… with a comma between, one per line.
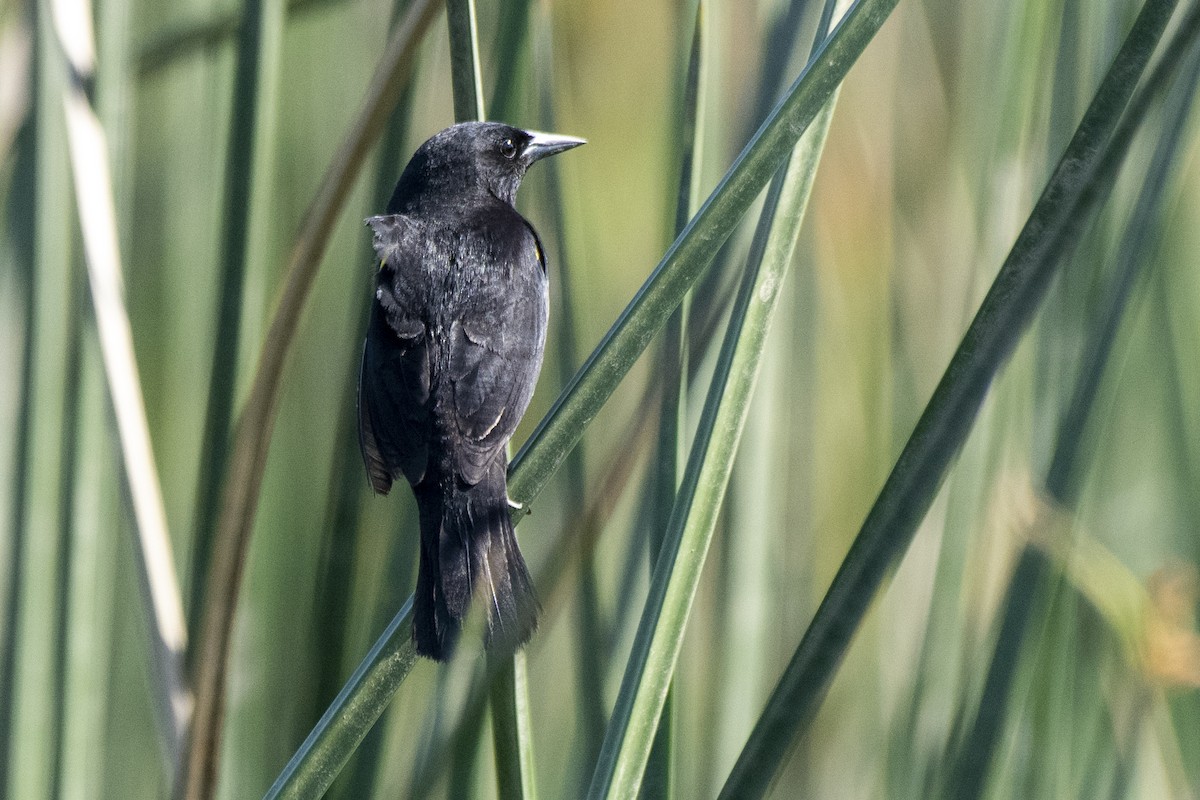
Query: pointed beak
x=547, y=144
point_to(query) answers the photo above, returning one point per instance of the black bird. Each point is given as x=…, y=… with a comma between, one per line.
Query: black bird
x=453, y=351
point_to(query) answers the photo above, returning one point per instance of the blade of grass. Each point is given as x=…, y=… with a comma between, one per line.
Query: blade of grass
x=68, y=458
x=613, y=357
x=183, y=40
x=255, y=95
x=97, y=216
x=248, y=164
x=1063, y=474
x=16, y=62
x=512, y=734
x=1052, y=227
x=1026, y=590
x=672, y=426
x=252, y=433
x=750, y=535
x=464, y=61
x=29, y=734
x=314, y=766
x=463, y=760
x=20, y=220
x=100, y=496
x=677, y=570
x=90, y=610
x=590, y=627
x=511, y=47
x=1179, y=410
x=1061, y=480
x=433, y=720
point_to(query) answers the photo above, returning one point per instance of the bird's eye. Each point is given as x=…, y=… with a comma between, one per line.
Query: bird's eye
x=508, y=149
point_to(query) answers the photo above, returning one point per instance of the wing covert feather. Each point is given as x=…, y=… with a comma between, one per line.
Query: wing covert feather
x=496, y=354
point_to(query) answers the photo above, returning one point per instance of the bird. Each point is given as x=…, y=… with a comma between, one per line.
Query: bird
x=453, y=349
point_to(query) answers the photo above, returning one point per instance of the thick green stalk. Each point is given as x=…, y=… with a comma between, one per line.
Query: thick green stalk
x=96, y=538
x=356, y=708
x=590, y=628
x=464, y=61
x=511, y=732
x=249, y=163
x=672, y=424
x=155, y=561
x=512, y=41
x=250, y=150
x=187, y=39
x=677, y=571
x=29, y=733
x=1062, y=474
x=90, y=617
x=1033, y=568
x=1052, y=227
x=68, y=458
x=21, y=218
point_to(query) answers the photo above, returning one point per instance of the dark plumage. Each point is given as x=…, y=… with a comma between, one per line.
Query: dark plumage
x=453, y=350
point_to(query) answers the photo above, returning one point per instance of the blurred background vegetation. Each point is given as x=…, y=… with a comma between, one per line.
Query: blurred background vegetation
x=221, y=119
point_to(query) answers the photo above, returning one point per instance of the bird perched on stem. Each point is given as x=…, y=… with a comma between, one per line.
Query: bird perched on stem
x=453, y=350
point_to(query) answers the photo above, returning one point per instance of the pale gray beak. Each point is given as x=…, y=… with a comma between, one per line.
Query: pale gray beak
x=547, y=144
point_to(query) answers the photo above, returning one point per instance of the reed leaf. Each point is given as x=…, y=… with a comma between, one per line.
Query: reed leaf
x=677, y=570
x=1052, y=228
x=1061, y=481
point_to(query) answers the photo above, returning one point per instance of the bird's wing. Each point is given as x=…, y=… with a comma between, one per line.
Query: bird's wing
x=378, y=474
x=496, y=347
x=394, y=381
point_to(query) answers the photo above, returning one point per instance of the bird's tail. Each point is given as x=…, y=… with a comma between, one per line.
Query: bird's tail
x=469, y=549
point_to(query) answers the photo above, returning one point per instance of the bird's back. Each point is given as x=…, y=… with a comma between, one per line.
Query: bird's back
x=462, y=312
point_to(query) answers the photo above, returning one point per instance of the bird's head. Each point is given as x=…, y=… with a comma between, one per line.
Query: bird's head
x=473, y=157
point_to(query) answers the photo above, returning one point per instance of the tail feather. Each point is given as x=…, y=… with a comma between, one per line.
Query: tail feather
x=513, y=607
x=468, y=550
x=435, y=629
